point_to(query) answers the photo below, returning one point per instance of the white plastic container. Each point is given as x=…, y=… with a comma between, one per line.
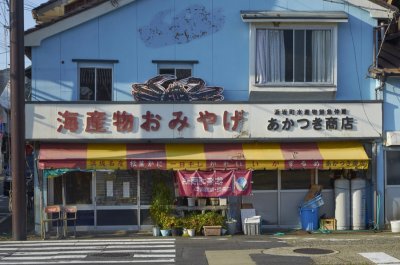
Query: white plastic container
x=342, y=204
x=358, y=203
x=395, y=225
x=191, y=201
x=252, y=225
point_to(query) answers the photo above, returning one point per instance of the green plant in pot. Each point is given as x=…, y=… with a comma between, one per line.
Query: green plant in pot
x=177, y=227
x=212, y=223
x=167, y=221
x=160, y=207
x=190, y=224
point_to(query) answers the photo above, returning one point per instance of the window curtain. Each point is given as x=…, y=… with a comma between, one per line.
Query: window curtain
x=321, y=56
x=270, y=56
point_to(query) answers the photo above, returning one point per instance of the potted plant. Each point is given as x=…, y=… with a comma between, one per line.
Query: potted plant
x=160, y=206
x=190, y=223
x=177, y=227
x=212, y=223
x=166, y=222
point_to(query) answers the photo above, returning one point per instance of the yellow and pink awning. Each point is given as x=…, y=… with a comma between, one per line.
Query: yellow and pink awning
x=321, y=155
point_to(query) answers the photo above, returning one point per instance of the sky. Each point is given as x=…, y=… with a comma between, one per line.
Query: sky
x=5, y=35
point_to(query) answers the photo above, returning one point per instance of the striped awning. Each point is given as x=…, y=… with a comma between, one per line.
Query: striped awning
x=322, y=155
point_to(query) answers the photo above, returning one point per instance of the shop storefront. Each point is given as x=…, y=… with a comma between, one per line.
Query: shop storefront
x=105, y=158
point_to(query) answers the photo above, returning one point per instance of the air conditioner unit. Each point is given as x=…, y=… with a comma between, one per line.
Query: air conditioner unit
x=392, y=138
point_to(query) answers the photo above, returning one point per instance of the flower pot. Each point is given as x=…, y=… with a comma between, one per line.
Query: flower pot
x=191, y=201
x=191, y=232
x=223, y=201
x=176, y=231
x=201, y=202
x=212, y=230
x=156, y=231
x=214, y=201
x=165, y=232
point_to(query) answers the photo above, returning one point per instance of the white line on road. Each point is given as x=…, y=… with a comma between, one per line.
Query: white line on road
x=87, y=247
x=46, y=257
x=95, y=251
x=153, y=256
x=88, y=262
x=84, y=240
x=380, y=257
x=61, y=244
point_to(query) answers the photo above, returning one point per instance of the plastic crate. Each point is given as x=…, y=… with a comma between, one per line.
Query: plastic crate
x=252, y=225
x=328, y=223
x=315, y=202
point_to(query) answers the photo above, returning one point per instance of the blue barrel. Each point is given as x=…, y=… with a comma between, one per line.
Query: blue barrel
x=309, y=218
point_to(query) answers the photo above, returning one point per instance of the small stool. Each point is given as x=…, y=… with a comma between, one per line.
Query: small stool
x=50, y=214
x=69, y=214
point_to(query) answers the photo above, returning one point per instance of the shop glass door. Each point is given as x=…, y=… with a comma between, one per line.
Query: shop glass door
x=74, y=188
x=117, y=200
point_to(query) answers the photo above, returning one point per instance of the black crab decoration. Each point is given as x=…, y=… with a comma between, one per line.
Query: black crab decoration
x=168, y=88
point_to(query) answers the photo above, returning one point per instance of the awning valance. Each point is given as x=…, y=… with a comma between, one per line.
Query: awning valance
x=323, y=155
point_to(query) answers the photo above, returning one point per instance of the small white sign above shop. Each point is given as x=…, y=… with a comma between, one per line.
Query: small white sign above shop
x=393, y=138
x=205, y=121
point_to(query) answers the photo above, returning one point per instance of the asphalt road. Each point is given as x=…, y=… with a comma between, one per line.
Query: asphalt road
x=290, y=248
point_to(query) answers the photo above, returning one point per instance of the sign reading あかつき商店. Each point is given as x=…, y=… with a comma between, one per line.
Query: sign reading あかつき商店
x=217, y=183
x=211, y=120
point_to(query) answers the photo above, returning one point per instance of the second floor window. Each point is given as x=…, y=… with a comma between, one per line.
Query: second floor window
x=294, y=56
x=181, y=71
x=95, y=83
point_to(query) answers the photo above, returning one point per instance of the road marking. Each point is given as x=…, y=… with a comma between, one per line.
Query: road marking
x=380, y=258
x=150, y=251
x=87, y=262
x=95, y=251
x=62, y=244
x=46, y=257
x=86, y=247
x=154, y=256
x=236, y=257
x=91, y=241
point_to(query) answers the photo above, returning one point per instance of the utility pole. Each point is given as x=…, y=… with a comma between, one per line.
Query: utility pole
x=17, y=79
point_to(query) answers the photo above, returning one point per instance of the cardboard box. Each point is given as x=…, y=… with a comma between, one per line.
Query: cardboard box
x=247, y=206
x=313, y=191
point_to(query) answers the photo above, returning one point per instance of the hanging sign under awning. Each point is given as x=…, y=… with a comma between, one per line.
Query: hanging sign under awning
x=214, y=183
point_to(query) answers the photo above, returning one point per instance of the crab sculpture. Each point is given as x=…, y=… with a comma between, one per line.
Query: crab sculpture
x=168, y=88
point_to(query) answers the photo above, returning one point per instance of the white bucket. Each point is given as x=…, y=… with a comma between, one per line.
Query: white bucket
x=395, y=225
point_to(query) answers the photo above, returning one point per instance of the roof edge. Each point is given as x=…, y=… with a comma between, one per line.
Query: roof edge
x=34, y=36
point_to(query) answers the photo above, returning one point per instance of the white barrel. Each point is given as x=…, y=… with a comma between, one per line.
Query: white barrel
x=342, y=204
x=358, y=198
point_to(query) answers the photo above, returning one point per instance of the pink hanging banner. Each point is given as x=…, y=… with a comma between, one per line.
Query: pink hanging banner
x=205, y=183
x=242, y=182
x=214, y=183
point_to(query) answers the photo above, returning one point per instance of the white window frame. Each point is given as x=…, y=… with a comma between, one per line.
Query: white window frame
x=298, y=86
x=95, y=65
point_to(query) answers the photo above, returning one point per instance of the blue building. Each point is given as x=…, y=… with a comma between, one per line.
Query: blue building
x=127, y=93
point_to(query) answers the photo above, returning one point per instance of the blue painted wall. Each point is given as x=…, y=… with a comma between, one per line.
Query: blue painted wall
x=216, y=36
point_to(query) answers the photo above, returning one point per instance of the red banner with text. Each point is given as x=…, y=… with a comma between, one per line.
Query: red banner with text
x=214, y=183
